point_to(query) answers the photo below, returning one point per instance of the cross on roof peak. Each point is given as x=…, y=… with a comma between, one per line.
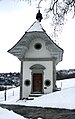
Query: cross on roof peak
x=39, y=15
x=38, y=7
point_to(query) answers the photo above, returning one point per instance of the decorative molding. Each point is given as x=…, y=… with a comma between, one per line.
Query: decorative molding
x=37, y=67
x=38, y=59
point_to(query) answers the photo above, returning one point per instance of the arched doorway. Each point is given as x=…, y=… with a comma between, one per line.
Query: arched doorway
x=37, y=78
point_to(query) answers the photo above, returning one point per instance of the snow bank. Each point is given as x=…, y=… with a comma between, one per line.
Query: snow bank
x=61, y=99
x=6, y=114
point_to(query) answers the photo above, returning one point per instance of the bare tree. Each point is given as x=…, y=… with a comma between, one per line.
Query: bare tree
x=57, y=11
x=59, y=8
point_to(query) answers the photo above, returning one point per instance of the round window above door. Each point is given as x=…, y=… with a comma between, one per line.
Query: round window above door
x=38, y=46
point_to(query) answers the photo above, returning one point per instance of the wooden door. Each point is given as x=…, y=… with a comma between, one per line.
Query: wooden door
x=37, y=83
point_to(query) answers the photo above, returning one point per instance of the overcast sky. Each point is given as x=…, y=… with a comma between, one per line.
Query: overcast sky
x=15, y=19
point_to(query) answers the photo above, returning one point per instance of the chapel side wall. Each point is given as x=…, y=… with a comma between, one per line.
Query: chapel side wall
x=48, y=74
x=21, y=80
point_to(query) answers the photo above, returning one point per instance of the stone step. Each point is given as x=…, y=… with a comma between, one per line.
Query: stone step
x=35, y=95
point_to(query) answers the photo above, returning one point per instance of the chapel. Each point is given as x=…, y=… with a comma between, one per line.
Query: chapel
x=39, y=56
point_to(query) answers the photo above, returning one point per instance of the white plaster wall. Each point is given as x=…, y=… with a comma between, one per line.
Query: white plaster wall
x=26, y=75
x=48, y=74
x=33, y=53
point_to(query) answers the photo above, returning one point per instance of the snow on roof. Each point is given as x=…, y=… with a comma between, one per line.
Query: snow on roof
x=36, y=26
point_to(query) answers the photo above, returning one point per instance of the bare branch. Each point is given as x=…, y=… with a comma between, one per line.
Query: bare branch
x=56, y=11
x=53, y=5
x=69, y=2
x=39, y=2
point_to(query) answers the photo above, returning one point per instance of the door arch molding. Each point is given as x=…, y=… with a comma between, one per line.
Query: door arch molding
x=36, y=70
x=37, y=66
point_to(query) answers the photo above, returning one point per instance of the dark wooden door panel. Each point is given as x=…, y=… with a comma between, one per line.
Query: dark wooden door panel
x=37, y=83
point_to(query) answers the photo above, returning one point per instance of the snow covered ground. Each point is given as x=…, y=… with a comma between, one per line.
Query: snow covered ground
x=60, y=99
x=12, y=96
x=6, y=114
x=65, y=99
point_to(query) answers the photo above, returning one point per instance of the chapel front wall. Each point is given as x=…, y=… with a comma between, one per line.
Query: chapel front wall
x=27, y=74
x=34, y=53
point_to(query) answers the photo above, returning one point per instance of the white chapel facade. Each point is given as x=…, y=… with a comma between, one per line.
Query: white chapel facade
x=39, y=56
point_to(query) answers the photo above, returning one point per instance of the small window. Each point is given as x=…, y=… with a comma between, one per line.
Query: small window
x=38, y=46
x=47, y=82
x=27, y=82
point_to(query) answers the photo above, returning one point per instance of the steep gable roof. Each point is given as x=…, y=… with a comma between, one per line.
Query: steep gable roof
x=35, y=31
